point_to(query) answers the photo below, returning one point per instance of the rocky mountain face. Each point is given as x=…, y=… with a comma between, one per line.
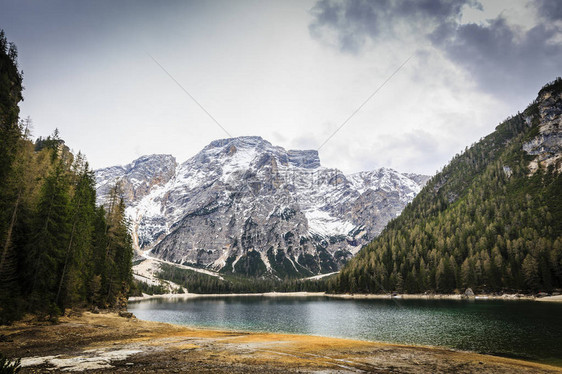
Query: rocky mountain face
x=547, y=145
x=244, y=206
x=136, y=179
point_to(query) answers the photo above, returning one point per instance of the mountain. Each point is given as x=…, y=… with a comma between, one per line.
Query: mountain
x=490, y=220
x=136, y=179
x=244, y=206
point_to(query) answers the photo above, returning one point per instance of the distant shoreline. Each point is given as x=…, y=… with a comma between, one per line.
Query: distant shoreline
x=557, y=298
x=210, y=295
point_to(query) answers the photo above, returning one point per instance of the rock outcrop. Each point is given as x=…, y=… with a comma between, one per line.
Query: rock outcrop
x=547, y=145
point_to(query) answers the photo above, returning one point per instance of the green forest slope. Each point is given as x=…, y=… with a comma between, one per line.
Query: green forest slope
x=483, y=222
x=57, y=248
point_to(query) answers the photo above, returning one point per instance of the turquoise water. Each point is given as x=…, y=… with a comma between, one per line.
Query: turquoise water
x=521, y=329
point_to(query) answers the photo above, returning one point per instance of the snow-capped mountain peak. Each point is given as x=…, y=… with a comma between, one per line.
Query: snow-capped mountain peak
x=243, y=205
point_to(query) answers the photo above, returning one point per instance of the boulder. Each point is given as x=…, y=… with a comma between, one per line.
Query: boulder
x=123, y=313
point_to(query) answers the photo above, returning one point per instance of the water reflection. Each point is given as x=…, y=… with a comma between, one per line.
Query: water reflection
x=511, y=328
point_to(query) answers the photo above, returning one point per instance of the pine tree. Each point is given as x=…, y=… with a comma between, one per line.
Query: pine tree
x=116, y=274
x=46, y=248
x=10, y=198
x=19, y=185
x=10, y=95
x=78, y=253
x=96, y=273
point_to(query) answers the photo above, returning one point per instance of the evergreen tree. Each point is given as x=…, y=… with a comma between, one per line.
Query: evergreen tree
x=116, y=275
x=10, y=198
x=99, y=248
x=46, y=248
x=10, y=96
x=72, y=286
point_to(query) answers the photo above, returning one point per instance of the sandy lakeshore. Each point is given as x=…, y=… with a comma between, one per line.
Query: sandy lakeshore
x=107, y=343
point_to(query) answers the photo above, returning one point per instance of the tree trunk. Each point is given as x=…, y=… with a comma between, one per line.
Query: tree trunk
x=69, y=251
x=68, y=254
x=8, y=241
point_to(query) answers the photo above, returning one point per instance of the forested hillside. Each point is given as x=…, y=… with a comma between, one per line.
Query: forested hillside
x=57, y=248
x=490, y=220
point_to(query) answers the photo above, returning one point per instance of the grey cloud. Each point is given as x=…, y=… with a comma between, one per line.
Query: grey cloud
x=353, y=20
x=433, y=9
x=357, y=20
x=550, y=9
x=501, y=59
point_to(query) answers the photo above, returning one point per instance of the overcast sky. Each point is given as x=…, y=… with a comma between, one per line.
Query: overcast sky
x=289, y=71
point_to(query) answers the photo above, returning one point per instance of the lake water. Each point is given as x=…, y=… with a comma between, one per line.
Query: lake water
x=521, y=329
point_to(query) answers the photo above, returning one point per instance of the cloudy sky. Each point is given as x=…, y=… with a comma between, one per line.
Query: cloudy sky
x=290, y=71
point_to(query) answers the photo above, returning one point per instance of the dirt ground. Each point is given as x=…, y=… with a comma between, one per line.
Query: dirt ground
x=107, y=343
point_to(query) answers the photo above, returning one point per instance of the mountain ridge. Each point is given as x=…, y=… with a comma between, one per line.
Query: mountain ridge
x=491, y=220
x=243, y=205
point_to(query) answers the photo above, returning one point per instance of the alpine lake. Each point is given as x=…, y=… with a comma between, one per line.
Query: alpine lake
x=527, y=330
